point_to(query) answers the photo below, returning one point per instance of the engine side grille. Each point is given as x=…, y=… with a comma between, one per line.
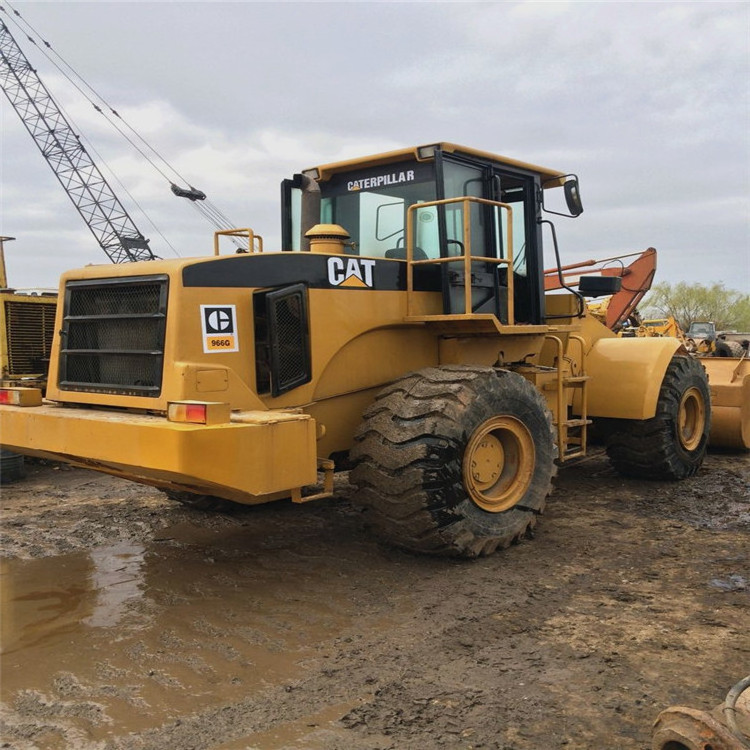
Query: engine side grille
x=289, y=338
x=30, y=327
x=113, y=336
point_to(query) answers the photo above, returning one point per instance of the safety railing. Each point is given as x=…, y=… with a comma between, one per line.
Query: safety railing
x=254, y=241
x=466, y=258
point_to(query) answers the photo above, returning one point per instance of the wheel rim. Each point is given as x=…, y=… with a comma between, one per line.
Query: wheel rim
x=499, y=463
x=691, y=419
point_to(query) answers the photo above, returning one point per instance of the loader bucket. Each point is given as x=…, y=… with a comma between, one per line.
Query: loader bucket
x=729, y=381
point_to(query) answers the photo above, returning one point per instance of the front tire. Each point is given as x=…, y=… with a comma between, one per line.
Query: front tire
x=455, y=460
x=672, y=444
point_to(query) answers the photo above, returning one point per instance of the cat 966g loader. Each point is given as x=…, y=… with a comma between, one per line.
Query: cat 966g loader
x=403, y=327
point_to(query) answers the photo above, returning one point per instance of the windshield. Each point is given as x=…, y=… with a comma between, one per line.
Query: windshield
x=371, y=205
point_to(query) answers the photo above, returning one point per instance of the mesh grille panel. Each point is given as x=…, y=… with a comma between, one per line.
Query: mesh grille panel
x=292, y=350
x=114, y=370
x=30, y=328
x=114, y=336
x=114, y=300
x=289, y=339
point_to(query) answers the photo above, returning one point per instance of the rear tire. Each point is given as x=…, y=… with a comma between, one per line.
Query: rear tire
x=672, y=444
x=455, y=460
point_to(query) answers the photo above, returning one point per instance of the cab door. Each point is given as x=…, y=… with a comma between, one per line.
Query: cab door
x=464, y=177
x=520, y=191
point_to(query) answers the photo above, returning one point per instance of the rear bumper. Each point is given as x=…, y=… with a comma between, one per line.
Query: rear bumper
x=246, y=461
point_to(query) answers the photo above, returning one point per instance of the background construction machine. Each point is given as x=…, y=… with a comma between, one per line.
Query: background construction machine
x=724, y=356
x=27, y=323
x=404, y=325
x=620, y=310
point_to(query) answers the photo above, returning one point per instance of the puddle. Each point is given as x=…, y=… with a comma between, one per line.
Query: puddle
x=289, y=733
x=146, y=634
x=44, y=600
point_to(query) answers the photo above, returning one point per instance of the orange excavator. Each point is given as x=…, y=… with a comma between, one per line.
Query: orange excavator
x=621, y=307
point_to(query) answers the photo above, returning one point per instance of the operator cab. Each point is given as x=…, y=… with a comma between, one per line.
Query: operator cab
x=386, y=202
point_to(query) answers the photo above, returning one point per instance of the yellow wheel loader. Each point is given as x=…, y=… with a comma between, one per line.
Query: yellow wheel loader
x=403, y=329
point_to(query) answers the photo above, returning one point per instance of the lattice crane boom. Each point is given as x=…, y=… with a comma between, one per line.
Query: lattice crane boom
x=83, y=182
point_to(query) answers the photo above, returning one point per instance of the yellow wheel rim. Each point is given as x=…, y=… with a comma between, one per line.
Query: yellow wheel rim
x=499, y=463
x=691, y=419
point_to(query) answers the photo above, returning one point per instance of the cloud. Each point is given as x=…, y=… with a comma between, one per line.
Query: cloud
x=647, y=102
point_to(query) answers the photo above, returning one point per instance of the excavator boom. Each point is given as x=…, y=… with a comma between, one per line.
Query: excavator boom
x=636, y=277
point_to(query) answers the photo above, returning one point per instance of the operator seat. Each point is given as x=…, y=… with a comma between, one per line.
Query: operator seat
x=399, y=253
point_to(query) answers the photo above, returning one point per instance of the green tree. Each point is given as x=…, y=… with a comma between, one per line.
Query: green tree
x=727, y=308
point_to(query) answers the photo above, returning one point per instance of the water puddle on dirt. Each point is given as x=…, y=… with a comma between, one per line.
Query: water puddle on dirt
x=127, y=637
x=288, y=734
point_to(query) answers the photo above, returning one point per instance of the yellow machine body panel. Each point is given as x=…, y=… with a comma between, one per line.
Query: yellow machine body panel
x=626, y=379
x=729, y=383
x=244, y=461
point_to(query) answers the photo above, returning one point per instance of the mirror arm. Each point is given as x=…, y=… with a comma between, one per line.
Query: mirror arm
x=563, y=285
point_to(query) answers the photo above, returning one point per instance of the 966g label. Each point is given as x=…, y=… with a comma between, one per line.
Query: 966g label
x=219, y=326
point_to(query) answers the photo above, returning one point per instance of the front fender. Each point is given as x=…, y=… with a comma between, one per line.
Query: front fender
x=626, y=375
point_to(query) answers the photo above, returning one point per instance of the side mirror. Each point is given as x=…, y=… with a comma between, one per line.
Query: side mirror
x=573, y=196
x=572, y=193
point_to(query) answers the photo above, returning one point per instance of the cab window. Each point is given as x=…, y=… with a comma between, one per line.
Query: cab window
x=372, y=205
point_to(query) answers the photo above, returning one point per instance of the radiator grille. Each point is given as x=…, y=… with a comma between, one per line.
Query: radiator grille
x=113, y=336
x=30, y=327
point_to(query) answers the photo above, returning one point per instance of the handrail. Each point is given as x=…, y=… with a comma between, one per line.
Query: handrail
x=559, y=392
x=240, y=232
x=467, y=258
x=562, y=408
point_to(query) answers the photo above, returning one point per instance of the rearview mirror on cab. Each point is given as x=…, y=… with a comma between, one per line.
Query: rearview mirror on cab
x=573, y=197
x=552, y=204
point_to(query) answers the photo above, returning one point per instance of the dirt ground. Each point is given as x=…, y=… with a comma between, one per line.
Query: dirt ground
x=132, y=622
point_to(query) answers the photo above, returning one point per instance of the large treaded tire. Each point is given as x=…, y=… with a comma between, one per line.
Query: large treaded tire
x=672, y=444
x=409, y=460
x=728, y=349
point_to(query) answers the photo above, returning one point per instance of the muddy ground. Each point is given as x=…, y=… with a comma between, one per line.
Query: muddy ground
x=131, y=622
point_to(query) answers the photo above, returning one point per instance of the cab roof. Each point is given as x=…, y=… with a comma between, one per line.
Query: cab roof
x=426, y=153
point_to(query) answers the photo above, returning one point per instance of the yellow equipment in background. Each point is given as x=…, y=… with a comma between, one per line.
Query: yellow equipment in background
x=729, y=383
x=403, y=329
x=728, y=370
x=27, y=324
x=663, y=327
x=724, y=357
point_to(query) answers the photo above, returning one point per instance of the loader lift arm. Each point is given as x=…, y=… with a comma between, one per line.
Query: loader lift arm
x=85, y=185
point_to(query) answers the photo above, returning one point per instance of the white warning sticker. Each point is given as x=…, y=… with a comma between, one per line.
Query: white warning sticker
x=219, y=325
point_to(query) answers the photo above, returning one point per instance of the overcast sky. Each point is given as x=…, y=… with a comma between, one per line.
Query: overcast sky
x=647, y=102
